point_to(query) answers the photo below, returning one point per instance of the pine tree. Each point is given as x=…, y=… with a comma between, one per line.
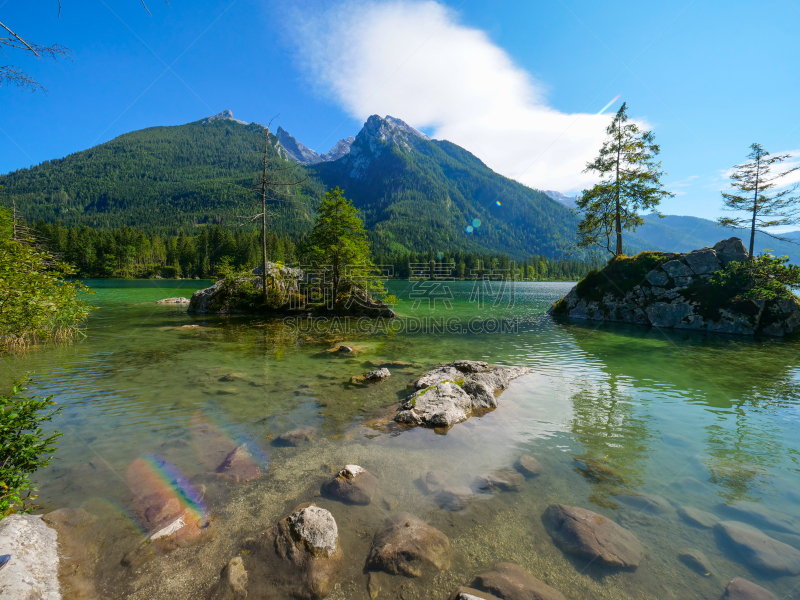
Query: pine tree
x=338, y=243
x=631, y=182
x=752, y=180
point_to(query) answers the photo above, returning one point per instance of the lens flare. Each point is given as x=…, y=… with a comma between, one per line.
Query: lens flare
x=605, y=108
x=476, y=223
x=469, y=229
x=498, y=203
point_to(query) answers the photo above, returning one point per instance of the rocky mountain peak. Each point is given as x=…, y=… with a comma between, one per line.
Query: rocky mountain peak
x=295, y=149
x=225, y=115
x=374, y=137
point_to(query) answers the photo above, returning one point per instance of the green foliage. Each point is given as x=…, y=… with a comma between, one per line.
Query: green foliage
x=162, y=179
x=631, y=183
x=338, y=244
x=763, y=277
x=25, y=446
x=752, y=182
x=620, y=275
x=36, y=301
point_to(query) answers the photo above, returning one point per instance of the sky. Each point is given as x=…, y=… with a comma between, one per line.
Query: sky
x=521, y=84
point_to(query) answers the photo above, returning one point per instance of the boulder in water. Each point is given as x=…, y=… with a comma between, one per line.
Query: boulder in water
x=352, y=484
x=528, y=466
x=240, y=466
x=232, y=581
x=589, y=535
x=697, y=517
x=512, y=582
x=759, y=550
x=406, y=546
x=296, y=436
x=741, y=589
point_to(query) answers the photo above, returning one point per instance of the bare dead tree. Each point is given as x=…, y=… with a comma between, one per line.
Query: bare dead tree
x=13, y=75
x=271, y=186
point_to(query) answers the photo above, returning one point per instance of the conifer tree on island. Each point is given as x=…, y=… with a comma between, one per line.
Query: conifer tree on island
x=338, y=244
x=631, y=182
x=751, y=182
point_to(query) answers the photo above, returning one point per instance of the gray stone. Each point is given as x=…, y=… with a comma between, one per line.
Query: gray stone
x=32, y=572
x=500, y=481
x=470, y=366
x=443, y=405
x=589, y=535
x=345, y=349
x=759, y=550
x=741, y=589
x=296, y=437
x=511, y=582
x=657, y=277
x=703, y=261
x=299, y=557
x=454, y=498
x=179, y=301
x=696, y=561
x=731, y=250
x=378, y=374
x=232, y=581
x=528, y=466
x=406, y=546
x=682, y=282
x=697, y=517
x=676, y=268
x=352, y=484
x=662, y=314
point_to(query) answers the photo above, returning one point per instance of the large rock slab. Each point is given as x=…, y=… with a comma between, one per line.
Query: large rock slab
x=406, y=546
x=703, y=261
x=499, y=481
x=731, y=250
x=584, y=533
x=511, y=582
x=697, y=561
x=451, y=393
x=759, y=550
x=352, y=484
x=741, y=589
x=299, y=557
x=32, y=572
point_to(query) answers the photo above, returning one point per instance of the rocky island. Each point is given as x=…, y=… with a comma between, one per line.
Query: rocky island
x=679, y=291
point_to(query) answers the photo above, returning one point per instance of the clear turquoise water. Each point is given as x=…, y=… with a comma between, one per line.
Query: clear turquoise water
x=700, y=420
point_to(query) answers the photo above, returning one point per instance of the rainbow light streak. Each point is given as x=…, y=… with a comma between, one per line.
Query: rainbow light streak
x=498, y=203
x=605, y=108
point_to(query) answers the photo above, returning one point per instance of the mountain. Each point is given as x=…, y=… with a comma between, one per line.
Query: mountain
x=568, y=201
x=684, y=234
x=297, y=151
x=418, y=193
x=162, y=178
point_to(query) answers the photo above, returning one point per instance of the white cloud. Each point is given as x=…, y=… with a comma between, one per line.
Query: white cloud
x=416, y=62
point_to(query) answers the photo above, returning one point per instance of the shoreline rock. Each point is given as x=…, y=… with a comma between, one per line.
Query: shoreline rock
x=512, y=582
x=406, y=546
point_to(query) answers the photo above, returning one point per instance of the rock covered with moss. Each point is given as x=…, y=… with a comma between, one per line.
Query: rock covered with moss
x=675, y=291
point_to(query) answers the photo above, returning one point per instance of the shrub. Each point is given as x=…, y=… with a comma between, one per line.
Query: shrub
x=24, y=446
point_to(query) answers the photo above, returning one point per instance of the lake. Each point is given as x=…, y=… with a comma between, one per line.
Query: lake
x=610, y=411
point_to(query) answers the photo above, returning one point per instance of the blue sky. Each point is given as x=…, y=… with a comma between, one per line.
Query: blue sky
x=517, y=83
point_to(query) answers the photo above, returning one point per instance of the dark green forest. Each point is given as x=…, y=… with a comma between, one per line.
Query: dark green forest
x=130, y=252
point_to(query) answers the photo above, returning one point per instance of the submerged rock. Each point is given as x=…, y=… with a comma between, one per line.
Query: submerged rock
x=760, y=516
x=451, y=393
x=697, y=517
x=585, y=533
x=454, y=498
x=646, y=503
x=232, y=581
x=696, y=561
x=299, y=557
x=512, y=582
x=741, y=589
x=759, y=550
x=433, y=481
x=528, y=466
x=240, y=466
x=352, y=484
x=406, y=546
x=500, y=481
x=296, y=437
x=32, y=571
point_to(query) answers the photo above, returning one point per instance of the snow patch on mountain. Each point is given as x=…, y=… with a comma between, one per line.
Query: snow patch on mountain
x=568, y=201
